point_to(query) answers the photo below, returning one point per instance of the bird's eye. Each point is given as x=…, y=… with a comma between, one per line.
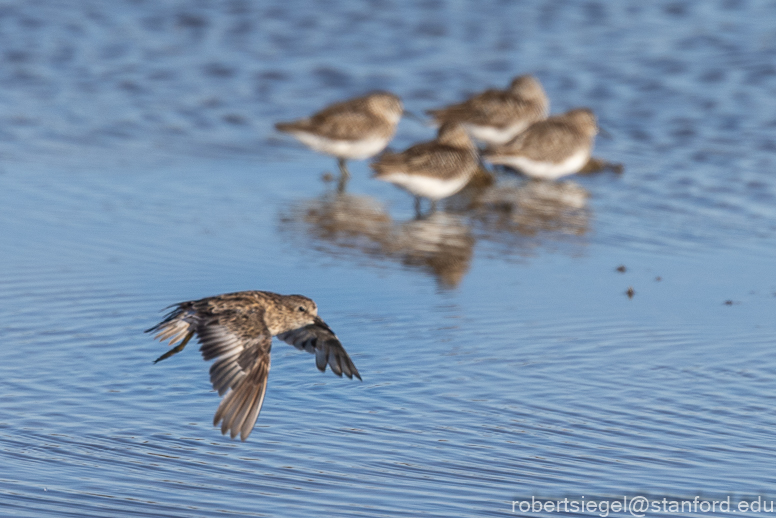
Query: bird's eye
x=301, y=308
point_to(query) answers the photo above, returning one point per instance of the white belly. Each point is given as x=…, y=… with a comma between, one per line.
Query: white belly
x=428, y=187
x=544, y=170
x=495, y=136
x=351, y=149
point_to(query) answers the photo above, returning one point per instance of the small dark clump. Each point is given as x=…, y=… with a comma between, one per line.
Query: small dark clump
x=616, y=168
x=658, y=278
x=630, y=292
x=728, y=302
x=622, y=268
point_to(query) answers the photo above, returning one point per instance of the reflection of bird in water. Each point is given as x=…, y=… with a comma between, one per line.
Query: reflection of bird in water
x=433, y=170
x=345, y=220
x=550, y=149
x=354, y=129
x=535, y=207
x=236, y=330
x=497, y=116
x=344, y=223
x=441, y=243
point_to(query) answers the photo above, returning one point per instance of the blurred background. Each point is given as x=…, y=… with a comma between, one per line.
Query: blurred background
x=501, y=356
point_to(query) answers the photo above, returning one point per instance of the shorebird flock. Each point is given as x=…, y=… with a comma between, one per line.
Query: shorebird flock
x=236, y=329
x=512, y=125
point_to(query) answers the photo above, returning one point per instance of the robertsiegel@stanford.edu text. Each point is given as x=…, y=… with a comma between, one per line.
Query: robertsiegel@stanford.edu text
x=640, y=506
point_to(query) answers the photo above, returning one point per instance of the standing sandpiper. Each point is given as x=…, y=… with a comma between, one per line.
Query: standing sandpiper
x=354, y=129
x=496, y=116
x=433, y=170
x=236, y=330
x=550, y=149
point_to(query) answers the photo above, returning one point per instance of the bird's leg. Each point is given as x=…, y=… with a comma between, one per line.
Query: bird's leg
x=433, y=207
x=344, y=175
x=417, y=207
x=341, y=184
x=177, y=349
x=343, y=167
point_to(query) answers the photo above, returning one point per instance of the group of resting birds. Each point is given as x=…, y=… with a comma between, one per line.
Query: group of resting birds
x=236, y=329
x=513, y=124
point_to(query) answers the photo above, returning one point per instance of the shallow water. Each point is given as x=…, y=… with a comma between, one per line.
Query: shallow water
x=500, y=354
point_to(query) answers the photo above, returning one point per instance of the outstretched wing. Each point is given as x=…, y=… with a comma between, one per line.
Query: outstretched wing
x=240, y=408
x=323, y=343
x=240, y=344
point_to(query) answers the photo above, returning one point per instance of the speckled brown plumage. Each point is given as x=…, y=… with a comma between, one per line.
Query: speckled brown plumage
x=236, y=330
x=525, y=102
x=554, y=139
x=450, y=155
x=373, y=115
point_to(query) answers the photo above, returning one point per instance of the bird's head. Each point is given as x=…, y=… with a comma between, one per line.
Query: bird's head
x=529, y=88
x=386, y=104
x=584, y=119
x=454, y=135
x=295, y=311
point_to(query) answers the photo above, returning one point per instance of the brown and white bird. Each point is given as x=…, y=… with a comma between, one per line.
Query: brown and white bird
x=354, y=129
x=497, y=116
x=435, y=169
x=550, y=149
x=236, y=330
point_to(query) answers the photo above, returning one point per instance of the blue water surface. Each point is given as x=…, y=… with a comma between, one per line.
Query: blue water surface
x=501, y=356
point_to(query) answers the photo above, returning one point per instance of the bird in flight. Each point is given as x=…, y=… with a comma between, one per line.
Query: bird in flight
x=236, y=330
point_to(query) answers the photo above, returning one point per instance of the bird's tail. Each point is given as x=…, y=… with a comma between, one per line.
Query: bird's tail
x=177, y=326
x=288, y=127
x=387, y=164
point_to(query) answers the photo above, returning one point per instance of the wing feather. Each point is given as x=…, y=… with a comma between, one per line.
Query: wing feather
x=428, y=159
x=236, y=337
x=326, y=346
x=492, y=107
x=239, y=410
x=346, y=120
x=549, y=140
